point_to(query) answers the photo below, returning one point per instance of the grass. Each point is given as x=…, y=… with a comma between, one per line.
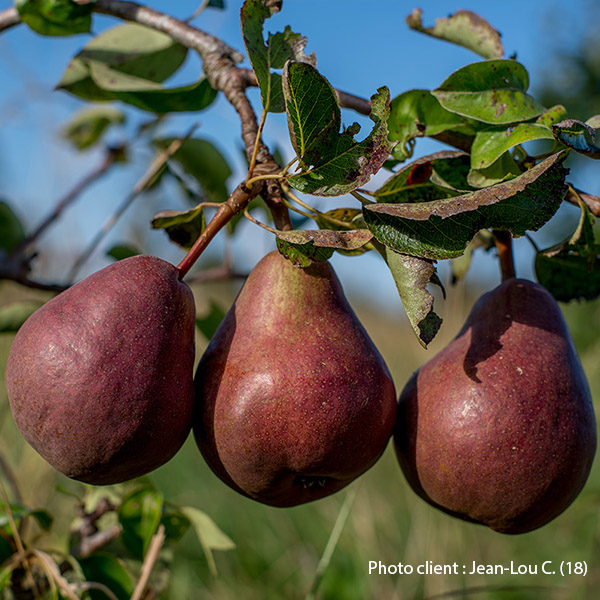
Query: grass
x=278, y=550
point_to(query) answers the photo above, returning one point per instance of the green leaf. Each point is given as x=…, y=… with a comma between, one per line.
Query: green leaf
x=43, y=517
x=443, y=228
x=209, y=535
x=582, y=137
x=12, y=232
x=571, y=270
x=6, y=573
x=56, y=17
x=129, y=63
x=552, y=115
x=14, y=315
x=312, y=110
x=6, y=551
x=338, y=163
x=107, y=569
x=201, y=159
x=503, y=169
x=280, y=47
x=140, y=514
x=412, y=275
x=121, y=251
x=464, y=28
x=490, y=144
x=175, y=523
x=303, y=255
x=492, y=91
x=87, y=126
x=182, y=227
x=417, y=113
x=303, y=247
x=209, y=323
x=414, y=183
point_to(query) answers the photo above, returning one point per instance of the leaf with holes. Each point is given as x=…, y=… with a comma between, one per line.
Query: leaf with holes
x=464, y=28
x=443, y=228
x=412, y=275
x=280, y=47
x=492, y=91
x=337, y=163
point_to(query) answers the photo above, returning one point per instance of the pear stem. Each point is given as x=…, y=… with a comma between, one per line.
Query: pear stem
x=236, y=203
x=503, y=241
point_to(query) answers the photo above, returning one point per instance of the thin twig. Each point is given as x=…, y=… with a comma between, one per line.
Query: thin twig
x=198, y=11
x=17, y=539
x=257, y=222
x=69, y=198
x=261, y=125
x=236, y=203
x=150, y=559
x=147, y=178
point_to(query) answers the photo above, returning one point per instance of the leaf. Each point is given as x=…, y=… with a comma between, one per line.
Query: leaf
x=56, y=17
x=209, y=323
x=203, y=161
x=303, y=247
x=417, y=113
x=412, y=275
x=490, y=144
x=87, y=126
x=413, y=183
x=121, y=251
x=14, y=315
x=140, y=514
x=338, y=163
x=182, y=227
x=107, y=569
x=303, y=255
x=460, y=265
x=582, y=137
x=313, y=111
x=12, y=232
x=280, y=48
x=552, y=115
x=175, y=523
x=349, y=218
x=208, y=533
x=464, y=28
x=492, y=91
x=503, y=169
x=129, y=63
x=443, y=228
x=571, y=270
x=43, y=517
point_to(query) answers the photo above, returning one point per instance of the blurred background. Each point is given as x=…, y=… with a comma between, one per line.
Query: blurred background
x=358, y=49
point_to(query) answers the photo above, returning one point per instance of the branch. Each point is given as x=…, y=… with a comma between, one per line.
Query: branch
x=9, y=18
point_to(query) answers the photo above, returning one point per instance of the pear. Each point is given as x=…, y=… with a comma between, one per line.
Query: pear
x=100, y=378
x=498, y=428
x=293, y=399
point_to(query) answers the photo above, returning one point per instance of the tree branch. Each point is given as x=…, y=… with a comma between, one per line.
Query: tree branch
x=9, y=18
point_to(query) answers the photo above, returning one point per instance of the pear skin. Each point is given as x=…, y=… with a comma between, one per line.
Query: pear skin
x=100, y=378
x=293, y=399
x=498, y=428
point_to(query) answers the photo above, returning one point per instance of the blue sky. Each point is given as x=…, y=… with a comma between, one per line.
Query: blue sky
x=359, y=46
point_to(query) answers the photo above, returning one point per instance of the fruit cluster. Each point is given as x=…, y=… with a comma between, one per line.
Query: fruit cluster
x=292, y=401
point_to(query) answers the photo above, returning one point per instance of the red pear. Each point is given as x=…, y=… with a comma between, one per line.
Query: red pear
x=498, y=428
x=100, y=378
x=294, y=400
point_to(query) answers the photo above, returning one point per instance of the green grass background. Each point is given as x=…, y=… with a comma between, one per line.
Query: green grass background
x=277, y=550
